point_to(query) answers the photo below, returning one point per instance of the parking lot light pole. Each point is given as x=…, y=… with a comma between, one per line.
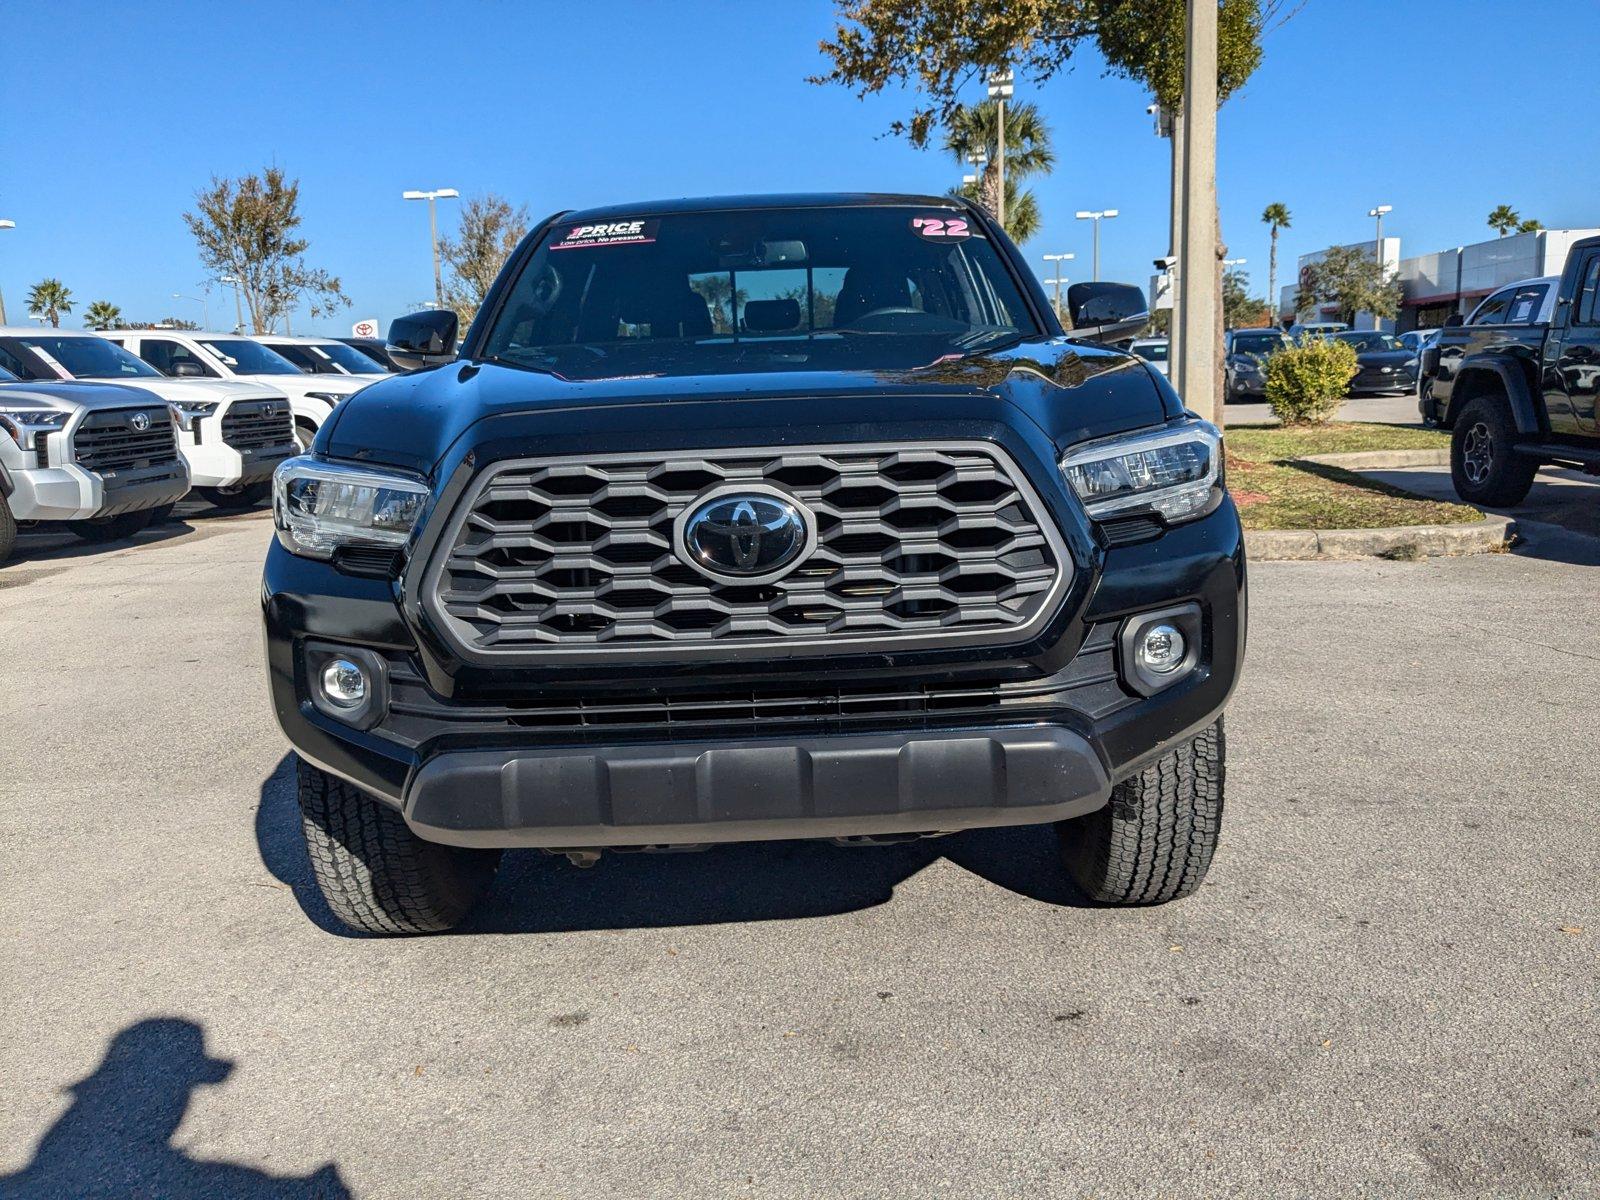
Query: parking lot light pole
x=1058, y=259
x=238, y=304
x=1000, y=89
x=1104, y=214
x=1378, y=245
x=433, y=232
x=1197, y=260
x=4, y=225
x=205, y=306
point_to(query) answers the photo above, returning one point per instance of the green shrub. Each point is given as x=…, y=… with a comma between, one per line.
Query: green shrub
x=1307, y=381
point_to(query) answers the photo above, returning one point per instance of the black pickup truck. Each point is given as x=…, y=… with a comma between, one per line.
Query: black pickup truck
x=1519, y=393
x=755, y=518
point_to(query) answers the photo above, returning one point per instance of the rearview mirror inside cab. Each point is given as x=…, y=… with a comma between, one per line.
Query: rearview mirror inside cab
x=423, y=339
x=1106, y=312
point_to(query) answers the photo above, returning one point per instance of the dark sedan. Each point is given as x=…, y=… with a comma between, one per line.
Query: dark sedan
x=1248, y=351
x=1382, y=363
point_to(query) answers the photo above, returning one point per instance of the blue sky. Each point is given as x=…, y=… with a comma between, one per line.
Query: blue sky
x=112, y=115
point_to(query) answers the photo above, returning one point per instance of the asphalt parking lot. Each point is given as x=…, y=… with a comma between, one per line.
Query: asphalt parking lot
x=1389, y=984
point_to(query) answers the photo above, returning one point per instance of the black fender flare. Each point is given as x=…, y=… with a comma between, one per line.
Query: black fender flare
x=1497, y=375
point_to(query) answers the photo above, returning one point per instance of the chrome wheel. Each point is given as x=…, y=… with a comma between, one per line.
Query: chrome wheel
x=1477, y=454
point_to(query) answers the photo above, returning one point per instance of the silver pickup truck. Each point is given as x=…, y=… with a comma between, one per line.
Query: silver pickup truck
x=101, y=458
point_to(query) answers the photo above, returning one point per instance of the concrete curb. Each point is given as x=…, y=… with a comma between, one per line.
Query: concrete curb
x=1381, y=460
x=1395, y=541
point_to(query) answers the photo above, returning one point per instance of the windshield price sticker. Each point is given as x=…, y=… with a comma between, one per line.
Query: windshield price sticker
x=608, y=233
x=941, y=229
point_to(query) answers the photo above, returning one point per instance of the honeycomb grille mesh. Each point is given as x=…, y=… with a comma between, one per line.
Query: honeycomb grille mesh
x=910, y=541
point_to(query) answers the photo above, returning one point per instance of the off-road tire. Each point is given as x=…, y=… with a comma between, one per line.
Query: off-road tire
x=304, y=435
x=248, y=496
x=1154, y=841
x=114, y=529
x=376, y=875
x=8, y=530
x=1484, y=466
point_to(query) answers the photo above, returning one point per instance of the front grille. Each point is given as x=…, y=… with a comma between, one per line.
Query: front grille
x=252, y=424
x=1088, y=685
x=913, y=543
x=108, y=440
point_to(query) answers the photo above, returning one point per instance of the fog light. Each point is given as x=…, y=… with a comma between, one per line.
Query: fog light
x=1161, y=649
x=344, y=683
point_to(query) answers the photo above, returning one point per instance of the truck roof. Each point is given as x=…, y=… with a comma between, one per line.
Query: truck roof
x=611, y=212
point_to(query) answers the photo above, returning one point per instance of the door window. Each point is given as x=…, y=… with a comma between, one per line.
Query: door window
x=1493, y=310
x=163, y=354
x=1587, y=304
x=1525, y=304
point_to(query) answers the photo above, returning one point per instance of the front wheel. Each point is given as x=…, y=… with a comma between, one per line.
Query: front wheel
x=1154, y=841
x=111, y=529
x=248, y=496
x=376, y=875
x=8, y=530
x=1484, y=464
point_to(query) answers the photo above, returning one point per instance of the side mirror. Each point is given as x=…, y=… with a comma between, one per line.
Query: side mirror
x=423, y=339
x=187, y=370
x=1107, y=312
x=1453, y=320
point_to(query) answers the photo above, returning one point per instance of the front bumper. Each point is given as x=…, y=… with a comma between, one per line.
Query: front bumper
x=69, y=493
x=213, y=463
x=1375, y=380
x=926, y=741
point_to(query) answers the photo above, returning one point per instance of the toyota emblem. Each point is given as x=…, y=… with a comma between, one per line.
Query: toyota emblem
x=744, y=536
x=140, y=421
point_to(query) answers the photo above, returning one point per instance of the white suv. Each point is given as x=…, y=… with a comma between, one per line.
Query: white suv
x=183, y=354
x=231, y=435
x=324, y=356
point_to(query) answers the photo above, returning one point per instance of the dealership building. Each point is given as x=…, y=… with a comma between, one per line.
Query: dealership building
x=1434, y=286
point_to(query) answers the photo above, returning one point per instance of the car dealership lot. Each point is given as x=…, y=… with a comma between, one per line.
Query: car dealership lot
x=1390, y=979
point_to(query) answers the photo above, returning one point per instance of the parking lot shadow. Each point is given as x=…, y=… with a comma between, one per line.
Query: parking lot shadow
x=754, y=881
x=115, y=1140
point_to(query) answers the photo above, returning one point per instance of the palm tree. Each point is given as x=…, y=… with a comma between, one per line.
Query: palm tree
x=49, y=299
x=975, y=129
x=1022, y=207
x=1504, y=219
x=102, y=314
x=1531, y=225
x=1276, y=217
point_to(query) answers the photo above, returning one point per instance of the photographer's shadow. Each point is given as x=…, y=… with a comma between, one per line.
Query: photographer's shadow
x=115, y=1140
x=755, y=881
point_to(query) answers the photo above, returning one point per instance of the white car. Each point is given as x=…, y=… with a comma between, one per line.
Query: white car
x=1153, y=350
x=184, y=354
x=324, y=356
x=231, y=434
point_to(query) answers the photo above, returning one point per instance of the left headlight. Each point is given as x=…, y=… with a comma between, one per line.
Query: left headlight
x=1169, y=471
x=189, y=413
x=320, y=506
x=23, y=423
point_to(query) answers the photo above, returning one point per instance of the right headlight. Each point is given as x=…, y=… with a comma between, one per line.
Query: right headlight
x=321, y=506
x=1169, y=471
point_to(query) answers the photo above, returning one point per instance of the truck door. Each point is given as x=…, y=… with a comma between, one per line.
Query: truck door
x=1572, y=356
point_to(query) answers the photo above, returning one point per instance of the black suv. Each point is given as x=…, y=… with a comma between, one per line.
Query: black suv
x=754, y=518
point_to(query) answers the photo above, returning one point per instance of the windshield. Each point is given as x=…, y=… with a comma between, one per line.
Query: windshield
x=89, y=357
x=1151, y=351
x=1258, y=343
x=796, y=288
x=1369, y=341
x=248, y=358
x=350, y=361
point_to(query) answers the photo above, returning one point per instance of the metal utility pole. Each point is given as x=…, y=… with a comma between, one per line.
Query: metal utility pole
x=238, y=304
x=1000, y=89
x=1197, y=262
x=1058, y=259
x=1378, y=245
x=433, y=232
x=1096, y=217
x=4, y=225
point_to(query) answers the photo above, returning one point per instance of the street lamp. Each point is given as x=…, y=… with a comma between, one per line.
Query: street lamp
x=205, y=306
x=1097, y=217
x=1058, y=259
x=1378, y=214
x=1234, y=262
x=238, y=305
x=979, y=161
x=5, y=225
x=1000, y=91
x=433, y=232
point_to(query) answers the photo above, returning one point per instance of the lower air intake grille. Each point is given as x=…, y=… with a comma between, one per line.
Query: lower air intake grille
x=913, y=544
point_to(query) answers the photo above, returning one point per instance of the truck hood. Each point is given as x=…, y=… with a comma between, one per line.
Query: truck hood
x=1068, y=391
x=70, y=397
x=216, y=390
x=301, y=385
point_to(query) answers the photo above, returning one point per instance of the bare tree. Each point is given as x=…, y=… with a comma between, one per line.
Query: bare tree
x=246, y=228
